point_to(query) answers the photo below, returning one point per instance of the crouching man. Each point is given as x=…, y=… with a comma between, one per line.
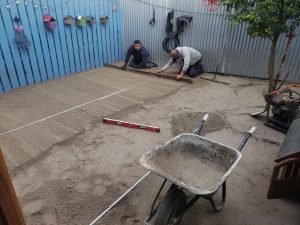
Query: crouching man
x=191, y=59
x=141, y=56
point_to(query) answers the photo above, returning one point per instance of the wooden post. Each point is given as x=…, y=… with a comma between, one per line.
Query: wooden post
x=10, y=211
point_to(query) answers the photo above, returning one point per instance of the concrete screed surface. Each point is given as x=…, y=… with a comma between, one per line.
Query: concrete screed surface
x=66, y=169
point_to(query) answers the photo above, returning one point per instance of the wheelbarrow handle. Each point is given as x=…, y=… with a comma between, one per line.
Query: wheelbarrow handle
x=200, y=126
x=245, y=139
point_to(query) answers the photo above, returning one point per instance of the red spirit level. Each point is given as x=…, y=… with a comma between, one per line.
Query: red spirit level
x=131, y=125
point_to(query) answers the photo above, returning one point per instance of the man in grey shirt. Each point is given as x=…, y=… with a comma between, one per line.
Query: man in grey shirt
x=191, y=58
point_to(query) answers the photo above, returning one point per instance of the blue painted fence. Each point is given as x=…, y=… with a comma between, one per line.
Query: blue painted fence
x=59, y=52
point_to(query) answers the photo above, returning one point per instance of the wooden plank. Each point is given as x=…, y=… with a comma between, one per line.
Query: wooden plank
x=72, y=30
x=23, y=52
x=37, y=12
x=10, y=209
x=31, y=53
x=10, y=56
x=290, y=147
x=3, y=73
x=284, y=187
x=37, y=43
x=153, y=74
x=99, y=37
x=56, y=8
x=79, y=37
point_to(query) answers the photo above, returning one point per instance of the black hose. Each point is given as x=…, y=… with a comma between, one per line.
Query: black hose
x=166, y=43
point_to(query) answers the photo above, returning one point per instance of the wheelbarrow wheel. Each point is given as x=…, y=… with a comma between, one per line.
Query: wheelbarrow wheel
x=171, y=208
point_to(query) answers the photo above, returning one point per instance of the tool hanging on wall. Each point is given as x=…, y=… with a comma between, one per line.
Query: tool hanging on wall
x=20, y=38
x=49, y=21
x=131, y=125
x=222, y=52
x=90, y=20
x=219, y=61
x=80, y=21
x=172, y=40
x=104, y=19
x=68, y=20
x=152, y=20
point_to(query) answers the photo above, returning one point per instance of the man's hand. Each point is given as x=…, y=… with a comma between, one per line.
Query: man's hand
x=178, y=77
x=124, y=67
x=159, y=70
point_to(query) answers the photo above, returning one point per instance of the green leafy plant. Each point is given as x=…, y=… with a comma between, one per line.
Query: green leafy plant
x=267, y=19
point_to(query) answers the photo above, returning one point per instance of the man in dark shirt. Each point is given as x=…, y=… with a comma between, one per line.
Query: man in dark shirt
x=140, y=55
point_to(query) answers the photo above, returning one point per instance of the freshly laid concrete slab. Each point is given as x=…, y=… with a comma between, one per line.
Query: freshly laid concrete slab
x=40, y=116
x=67, y=166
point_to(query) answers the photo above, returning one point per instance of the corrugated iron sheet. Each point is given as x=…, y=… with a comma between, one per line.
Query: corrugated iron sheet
x=242, y=54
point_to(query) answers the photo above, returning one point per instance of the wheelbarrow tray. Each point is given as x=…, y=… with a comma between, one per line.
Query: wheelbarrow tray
x=192, y=162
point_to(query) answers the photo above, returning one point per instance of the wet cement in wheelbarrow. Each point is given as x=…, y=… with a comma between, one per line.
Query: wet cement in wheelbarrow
x=192, y=165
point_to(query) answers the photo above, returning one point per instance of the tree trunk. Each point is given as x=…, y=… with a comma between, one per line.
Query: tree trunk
x=271, y=65
x=283, y=58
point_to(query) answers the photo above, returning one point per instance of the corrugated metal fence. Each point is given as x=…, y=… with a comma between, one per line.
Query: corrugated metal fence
x=56, y=53
x=243, y=55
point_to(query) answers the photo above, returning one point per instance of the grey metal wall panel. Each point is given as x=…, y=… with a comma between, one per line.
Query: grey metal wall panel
x=243, y=55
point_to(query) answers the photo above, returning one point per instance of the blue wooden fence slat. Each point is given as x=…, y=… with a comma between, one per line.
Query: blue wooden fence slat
x=49, y=35
x=1, y=88
x=23, y=52
x=103, y=35
x=58, y=52
x=115, y=27
x=106, y=33
x=71, y=30
x=61, y=37
x=54, y=37
x=61, y=12
x=98, y=34
x=111, y=31
x=91, y=31
x=37, y=44
x=81, y=7
x=3, y=73
x=120, y=32
x=79, y=37
x=31, y=50
x=9, y=59
x=44, y=41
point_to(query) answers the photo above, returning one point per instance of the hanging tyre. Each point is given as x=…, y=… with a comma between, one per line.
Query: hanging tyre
x=170, y=43
x=171, y=209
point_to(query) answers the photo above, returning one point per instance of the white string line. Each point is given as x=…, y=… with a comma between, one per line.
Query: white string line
x=76, y=107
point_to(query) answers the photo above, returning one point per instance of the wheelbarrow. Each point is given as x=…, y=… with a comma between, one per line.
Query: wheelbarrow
x=191, y=163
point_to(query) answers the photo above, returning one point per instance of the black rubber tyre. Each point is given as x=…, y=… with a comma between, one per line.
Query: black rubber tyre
x=170, y=210
x=170, y=43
